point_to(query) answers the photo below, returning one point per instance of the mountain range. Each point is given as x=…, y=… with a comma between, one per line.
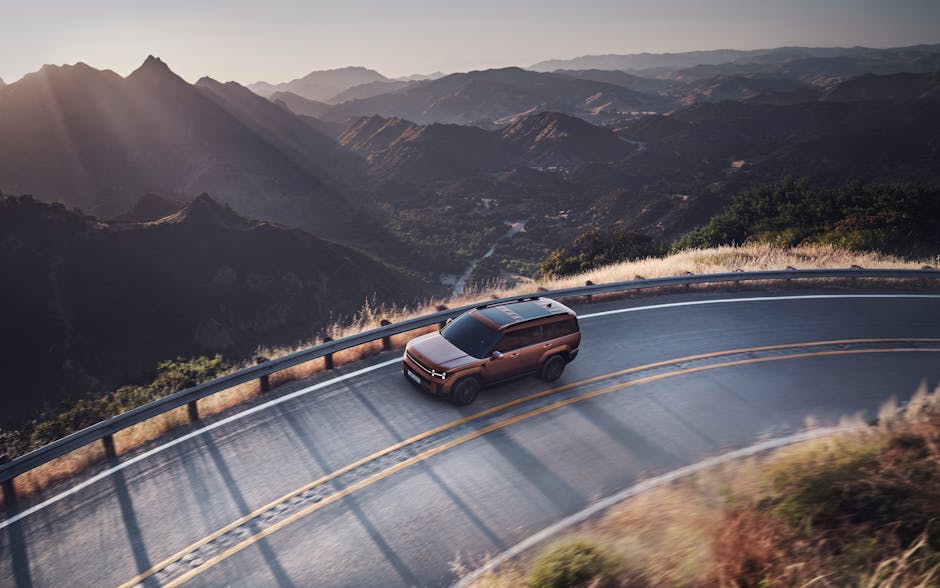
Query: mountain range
x=848, y=60
x=98, y=141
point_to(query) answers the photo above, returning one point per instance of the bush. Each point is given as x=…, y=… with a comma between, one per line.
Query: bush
x=595, y=249
x=172, y=376
x=576, y=563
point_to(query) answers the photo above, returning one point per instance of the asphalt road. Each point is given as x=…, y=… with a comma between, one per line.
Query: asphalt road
x=367, y=482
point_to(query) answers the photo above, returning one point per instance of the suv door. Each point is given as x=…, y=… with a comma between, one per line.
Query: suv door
x=521, y=348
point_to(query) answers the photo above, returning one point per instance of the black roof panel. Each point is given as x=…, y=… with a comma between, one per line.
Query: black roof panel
x=517, y=312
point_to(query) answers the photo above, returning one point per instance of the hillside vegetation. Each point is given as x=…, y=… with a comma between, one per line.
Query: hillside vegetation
x=861, y=508
x=895, y=219
x=90, y=306
x=900, y=219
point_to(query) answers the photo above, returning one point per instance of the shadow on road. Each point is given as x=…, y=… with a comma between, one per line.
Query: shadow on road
x=131, y=525
x=231, y=485
x=20, y=556
x=427, y=470
x=301, y=432
x=632, y=441
x=541, y=477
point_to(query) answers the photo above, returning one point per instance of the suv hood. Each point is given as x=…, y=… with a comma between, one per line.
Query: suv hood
x=434, y=350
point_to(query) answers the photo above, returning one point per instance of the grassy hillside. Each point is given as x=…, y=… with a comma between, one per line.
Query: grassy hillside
x=861, y=508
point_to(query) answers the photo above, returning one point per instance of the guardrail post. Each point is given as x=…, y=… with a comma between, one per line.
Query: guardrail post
x=192, y=409
x=328, y=358
x=855, y=280
x=687, y=273
x=589, y=283
x=441, y=308
x=386, y=340
x=9, y=491
x=263, y=380
x=738, y=270
x=108, y=442
x=791, y=269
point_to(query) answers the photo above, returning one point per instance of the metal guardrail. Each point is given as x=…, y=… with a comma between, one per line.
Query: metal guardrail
x=104, y=430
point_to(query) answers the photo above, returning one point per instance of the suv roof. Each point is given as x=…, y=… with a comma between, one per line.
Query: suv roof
x=511, y=313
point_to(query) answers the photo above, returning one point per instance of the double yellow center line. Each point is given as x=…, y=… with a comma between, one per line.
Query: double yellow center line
x=339, y=495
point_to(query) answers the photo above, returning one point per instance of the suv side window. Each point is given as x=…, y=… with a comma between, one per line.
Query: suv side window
x=560, y=328
x=518, y=339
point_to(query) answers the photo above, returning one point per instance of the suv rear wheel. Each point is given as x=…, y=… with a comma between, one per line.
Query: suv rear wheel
x=552, y=368
x=465, y=390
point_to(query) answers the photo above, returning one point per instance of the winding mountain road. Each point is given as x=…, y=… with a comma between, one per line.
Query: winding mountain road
x=355, y=478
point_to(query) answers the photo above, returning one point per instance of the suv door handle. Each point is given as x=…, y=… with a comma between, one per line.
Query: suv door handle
x=514, y=355
x=547, y=345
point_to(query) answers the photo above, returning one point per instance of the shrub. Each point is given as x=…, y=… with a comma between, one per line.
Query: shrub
x=572, y=564
x=595, y=249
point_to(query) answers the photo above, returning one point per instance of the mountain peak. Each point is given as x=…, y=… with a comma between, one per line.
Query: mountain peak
x=204, y=211
x=154, y=63
x=153, y=69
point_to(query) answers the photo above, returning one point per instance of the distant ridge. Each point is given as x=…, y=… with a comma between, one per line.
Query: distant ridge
x=321, y=85
x=674, y=61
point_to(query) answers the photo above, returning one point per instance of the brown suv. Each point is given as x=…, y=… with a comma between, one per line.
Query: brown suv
x=494, y=343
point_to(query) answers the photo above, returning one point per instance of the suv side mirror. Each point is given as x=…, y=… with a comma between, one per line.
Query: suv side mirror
x=496, y=355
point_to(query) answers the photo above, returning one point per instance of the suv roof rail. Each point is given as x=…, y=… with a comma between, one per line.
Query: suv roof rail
x=504, y=302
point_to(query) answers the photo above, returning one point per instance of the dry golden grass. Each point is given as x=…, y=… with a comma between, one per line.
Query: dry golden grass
x=734, y=525
x=721, y=259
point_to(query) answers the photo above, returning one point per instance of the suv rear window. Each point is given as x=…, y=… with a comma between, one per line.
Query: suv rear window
x=560, y=328
x=470, y=336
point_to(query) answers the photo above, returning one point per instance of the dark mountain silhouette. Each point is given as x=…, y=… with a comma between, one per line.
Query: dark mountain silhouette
x=754, y=61
x=640, y=61
x=97, y=304
x=150, y=207
x=98, y=141
x=374, y=133
x=903, y=86
x=824, y=69
x=400, y=148
x=616, y=77
x=307, y=147
x=738, y=88
x=421, y=77
x=321, y=85
x=484, y=97
x=369, y=90
x=419, y=153
x=553, y=138
x=300, y=105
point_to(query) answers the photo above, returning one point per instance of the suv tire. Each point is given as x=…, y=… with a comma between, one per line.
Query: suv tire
x=465, y=390
x=552, y=368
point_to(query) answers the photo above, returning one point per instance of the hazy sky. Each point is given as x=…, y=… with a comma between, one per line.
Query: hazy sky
x=278, y=40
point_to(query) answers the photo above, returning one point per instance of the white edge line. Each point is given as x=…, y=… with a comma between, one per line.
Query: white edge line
x=752, y=299
x=104, y=474
x=606, y=503
x=189, y=436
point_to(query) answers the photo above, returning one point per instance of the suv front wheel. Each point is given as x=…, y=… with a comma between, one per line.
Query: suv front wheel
x=552, y=368
x=465, y=390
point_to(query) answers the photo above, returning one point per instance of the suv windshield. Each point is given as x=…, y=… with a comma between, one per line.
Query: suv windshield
x=470, y=336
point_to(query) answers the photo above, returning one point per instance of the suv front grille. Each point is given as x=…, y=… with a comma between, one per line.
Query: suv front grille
x=431, y=372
